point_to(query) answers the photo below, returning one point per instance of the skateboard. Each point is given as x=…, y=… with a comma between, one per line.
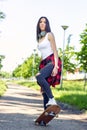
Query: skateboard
x=47, y=115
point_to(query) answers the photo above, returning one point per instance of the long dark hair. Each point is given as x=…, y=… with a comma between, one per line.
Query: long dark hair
x=38, y=31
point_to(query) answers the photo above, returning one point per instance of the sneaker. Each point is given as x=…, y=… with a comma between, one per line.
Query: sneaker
x=51, y=102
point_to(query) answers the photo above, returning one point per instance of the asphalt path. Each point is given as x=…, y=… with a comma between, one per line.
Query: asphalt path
x=20, y=106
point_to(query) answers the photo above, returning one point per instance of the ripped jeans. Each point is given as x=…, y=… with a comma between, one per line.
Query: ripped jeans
x=41, y=80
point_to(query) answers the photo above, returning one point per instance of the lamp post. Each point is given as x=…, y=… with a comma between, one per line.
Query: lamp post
x=69, y=39
x=64, y=28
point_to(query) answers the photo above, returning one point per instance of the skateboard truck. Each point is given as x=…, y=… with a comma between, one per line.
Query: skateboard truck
x=50, y=114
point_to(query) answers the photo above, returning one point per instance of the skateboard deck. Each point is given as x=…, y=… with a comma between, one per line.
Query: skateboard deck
x=47, y=115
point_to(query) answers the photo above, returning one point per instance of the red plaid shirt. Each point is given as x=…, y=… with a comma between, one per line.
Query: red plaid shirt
x=52, y=80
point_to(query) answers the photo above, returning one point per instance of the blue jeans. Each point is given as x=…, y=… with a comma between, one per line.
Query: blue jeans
x=41, y=79
x=45, y=99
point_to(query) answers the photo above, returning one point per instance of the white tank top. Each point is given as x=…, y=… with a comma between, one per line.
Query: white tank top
x=45, y=47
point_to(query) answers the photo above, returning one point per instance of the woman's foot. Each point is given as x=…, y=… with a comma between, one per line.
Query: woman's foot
x=51, y=102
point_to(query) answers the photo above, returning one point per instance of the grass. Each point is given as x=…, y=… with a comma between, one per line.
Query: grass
x=72, y=93
x=74, y=98
x=3, y=87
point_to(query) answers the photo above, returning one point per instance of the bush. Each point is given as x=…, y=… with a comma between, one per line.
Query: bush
x=3, y=87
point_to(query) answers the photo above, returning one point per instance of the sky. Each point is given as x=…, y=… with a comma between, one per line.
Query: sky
x=18, y=29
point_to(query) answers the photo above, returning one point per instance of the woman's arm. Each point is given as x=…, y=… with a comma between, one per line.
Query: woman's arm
x=54, y=48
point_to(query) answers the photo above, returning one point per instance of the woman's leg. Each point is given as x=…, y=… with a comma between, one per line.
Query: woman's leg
x=41, y=79
x=45, y=99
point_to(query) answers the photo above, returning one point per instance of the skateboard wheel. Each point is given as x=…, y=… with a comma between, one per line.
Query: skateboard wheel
x=36, y=123
x=46, y=113
x=42, y=123
x=57, y=116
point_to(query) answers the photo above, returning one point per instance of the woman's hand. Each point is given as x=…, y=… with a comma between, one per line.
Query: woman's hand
x=54, y=72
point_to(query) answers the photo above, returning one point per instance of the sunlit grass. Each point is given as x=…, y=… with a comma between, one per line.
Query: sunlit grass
x=2, y=87
x=72, y=93
x=29, y=84
x=74, y=98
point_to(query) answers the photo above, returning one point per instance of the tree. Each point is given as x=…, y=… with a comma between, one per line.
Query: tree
x=5, y=74
x=69, y=59
x=28, y=68
x=82, y=54
x=2, y=15
x=17, y=72
x=1, y=58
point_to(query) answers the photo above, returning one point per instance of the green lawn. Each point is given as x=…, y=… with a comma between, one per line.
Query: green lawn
x=72, y=92
x=2, y=87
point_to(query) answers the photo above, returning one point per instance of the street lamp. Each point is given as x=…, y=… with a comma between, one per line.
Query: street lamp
x=64, y=28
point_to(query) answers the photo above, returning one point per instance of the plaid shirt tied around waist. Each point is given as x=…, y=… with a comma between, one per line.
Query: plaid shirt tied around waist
x=52, y=80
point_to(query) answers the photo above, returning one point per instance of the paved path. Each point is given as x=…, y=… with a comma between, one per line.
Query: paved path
x=20, y=106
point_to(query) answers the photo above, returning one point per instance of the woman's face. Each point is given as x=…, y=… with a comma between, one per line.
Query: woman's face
x=42, y=24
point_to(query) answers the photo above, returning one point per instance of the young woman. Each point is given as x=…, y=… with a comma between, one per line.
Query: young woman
x=50, y=66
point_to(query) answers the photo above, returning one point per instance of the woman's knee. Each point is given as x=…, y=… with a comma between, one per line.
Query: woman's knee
x=38, y=75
